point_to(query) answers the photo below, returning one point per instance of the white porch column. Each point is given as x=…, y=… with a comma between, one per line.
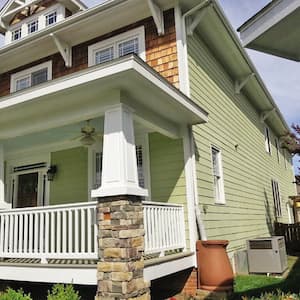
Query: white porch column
x=119, y=173
x=3, y=204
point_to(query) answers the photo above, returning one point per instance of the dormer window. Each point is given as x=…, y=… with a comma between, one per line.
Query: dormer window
x=51, y=18
x=33, y=26
x=31, y=77
x=130, y=42
x=16, y=34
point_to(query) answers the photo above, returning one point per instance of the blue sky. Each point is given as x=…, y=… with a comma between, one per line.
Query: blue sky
x=281, y=76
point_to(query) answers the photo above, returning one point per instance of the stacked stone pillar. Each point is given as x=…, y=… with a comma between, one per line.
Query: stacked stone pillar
x=121, y=247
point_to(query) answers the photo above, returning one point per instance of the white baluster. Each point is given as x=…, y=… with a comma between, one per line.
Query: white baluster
x=76, y=233
x=20, y=231
x=58, y=232
x=36, y=232
x=47, y=235
x=26, y=228
x=30, y=240
x=52, y=232
x=2, y=238
x=41, y=233
x=15, y=233
x=82, y=229
x=64, y=231
x=89, y=231
x=70, y=234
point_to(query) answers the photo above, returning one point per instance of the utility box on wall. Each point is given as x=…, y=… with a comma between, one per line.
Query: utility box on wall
x=267, y=255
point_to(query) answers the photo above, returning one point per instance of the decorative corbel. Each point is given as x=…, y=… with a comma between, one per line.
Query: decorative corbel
x=240, y=83
x=265, y=114
x=158, y=17
x=64, y=49
x=193, y=22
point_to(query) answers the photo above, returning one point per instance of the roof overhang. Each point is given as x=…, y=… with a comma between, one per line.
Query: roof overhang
x=87, y=94
x=81, y=27
x=223, y=42
x=275, y=29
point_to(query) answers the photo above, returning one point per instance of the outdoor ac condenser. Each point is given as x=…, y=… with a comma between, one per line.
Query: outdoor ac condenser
x=267, y=255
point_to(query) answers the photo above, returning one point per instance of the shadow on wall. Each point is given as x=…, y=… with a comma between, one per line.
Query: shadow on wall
x=269, y=214
x=167, y=169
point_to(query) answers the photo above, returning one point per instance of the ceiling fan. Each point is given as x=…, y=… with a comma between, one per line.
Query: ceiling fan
x=88, y=135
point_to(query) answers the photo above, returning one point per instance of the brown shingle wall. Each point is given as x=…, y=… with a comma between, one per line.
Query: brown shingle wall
x=161, y=53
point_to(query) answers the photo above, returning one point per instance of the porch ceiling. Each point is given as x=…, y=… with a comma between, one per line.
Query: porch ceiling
x=87, y=94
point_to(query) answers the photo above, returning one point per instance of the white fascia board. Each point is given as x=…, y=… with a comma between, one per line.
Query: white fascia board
x=267, y=19
x=98, y=72
x=168, y=267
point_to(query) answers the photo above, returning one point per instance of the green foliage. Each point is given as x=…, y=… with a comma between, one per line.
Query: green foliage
x=63, y=292
x=275, y=296
x=11, y=294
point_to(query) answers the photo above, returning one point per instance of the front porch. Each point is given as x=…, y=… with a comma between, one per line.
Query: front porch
x=137, y=142
x=59, y=243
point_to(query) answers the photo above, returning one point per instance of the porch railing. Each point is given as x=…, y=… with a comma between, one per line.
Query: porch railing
x=61, y=231
x=164, y=227
x=70, y=231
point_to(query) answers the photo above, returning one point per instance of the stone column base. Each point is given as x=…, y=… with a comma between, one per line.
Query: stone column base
x=121, y=248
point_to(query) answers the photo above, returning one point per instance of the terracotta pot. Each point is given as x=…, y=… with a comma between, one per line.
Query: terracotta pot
x=214, y=268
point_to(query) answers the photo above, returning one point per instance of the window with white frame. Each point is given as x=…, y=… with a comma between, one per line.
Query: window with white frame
x=51, y=18
x=31, y=77
x=142, y=155
x=132, y=41
x=33, y=26
x=16, y=34
x=276, y=198
x=267, y=140
x=218, y=180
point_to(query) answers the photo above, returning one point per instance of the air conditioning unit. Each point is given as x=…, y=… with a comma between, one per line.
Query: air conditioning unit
x=267, y=255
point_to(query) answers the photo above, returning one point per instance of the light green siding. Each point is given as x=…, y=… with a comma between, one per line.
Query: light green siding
x=167, y=171
x=235, y=128
x=70, y=184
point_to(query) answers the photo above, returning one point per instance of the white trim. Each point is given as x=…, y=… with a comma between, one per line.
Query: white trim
x=27, y=72
x=53, y=274
x=267, y=136
x=13, y=176
x=190, y=192
x=181, y=42
x=40, y=17
x=138, y=32
x=159, y=270
x=219, y=199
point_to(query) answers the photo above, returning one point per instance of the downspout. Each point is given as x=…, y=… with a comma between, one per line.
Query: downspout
x=186, y=90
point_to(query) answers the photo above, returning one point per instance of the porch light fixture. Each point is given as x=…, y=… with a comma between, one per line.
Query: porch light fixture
x=87, y=140
x=51, y=173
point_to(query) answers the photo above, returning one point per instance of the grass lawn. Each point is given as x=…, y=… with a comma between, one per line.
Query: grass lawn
x=254, y=285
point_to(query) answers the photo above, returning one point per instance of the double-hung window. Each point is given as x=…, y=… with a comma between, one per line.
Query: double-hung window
x=51, y=18
x=130, y=42
x=16, y=34
x=218, y=180
x=267, y=140
x=276, y=198
x=31, y=77
x=33, y=26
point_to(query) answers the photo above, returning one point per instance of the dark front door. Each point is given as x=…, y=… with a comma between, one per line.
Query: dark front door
x=27, y=190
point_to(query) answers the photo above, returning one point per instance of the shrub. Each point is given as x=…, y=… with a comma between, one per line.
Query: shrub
x=11, y=294
x=275, y=296
x=63, y=292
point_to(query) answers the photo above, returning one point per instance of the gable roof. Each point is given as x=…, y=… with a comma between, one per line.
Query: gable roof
x=13, y=7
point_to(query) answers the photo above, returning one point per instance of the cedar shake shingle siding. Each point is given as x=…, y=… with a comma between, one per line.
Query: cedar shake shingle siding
x=161, y=53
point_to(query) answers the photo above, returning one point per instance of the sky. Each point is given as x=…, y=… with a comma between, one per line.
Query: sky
x=281, y=76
